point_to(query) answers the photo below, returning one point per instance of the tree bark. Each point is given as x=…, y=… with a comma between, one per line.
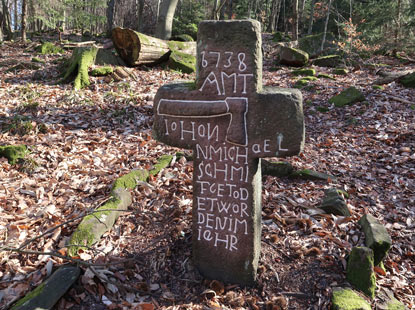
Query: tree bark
x=24, y=11
x=397, y=27
x=273, y=15
x=137, y=48
x=110, y=15
x=165, y=20
x=310, y=21
x=6, y=20
x=295, y=20
x=325, y=26
x=1, y=26
x=140, y=7
x=15, y=15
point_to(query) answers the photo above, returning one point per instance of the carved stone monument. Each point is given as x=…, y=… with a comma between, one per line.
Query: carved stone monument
x=230, y=122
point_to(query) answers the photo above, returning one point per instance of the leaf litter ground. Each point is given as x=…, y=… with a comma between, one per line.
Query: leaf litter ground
x=82, y=141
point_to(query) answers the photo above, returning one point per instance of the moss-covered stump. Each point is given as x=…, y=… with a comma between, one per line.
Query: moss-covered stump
x=102, y=71
x=330, y=61
x=334, y=203
x=408, y=80
x=347, y=97
x=49, y=48
x=293, y=57
x=312, y=43
x=49, y=292
x=13, y=152
x=376, y=237
x=308, y=174
x=276, y=168
x=179, y=61
x=304, y=72
x=108, y=57
x=347, y=299
x=340, y=71
x=78, y=66
x=360, y=272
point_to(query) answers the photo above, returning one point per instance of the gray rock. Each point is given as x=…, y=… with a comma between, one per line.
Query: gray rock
x=347, y=299
x=331, y=61
x=334, y=203
x=377, y=237
x=293, y=57
x=360, y=272
x=276, y=168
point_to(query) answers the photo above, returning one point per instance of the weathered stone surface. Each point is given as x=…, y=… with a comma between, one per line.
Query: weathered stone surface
x=360, y=272
x=347, y=299
x=293, y=57
x=340, y=71
x=230, y=122
x=334, y=203
x=276, y=168
x=179, y=61
x=330, y=61
x=308, y=174
x=48, y=293
x=347, y=97
x=377, y=237
x=304, y=72
x=387, y=301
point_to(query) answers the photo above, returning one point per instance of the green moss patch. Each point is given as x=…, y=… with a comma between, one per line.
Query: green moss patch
x=49, y=48
x=130, y=180
x=347, y=97
x=304, y=72
x=182, y=62
x=408, y=80
x=326, y=76
x=38, y=60
x=347, y=299
x=360, y=272
x=163, y=162
x=13, y=152
x=102, y=71
x=293, y=57
x=378, y=87
x=322, y=109
x=340, y=71
x=328, y=61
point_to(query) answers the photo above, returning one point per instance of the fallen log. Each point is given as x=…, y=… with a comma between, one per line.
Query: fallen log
x=137, y=48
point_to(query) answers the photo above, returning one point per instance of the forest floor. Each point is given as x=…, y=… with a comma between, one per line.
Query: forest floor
x=81, y=141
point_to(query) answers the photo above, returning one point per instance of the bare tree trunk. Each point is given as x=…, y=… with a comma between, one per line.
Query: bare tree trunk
x=325, y=26
x=301, y=15
x=24, y=11
x=6, y=20
x=272, y=16
x=110, y=16
x=351, y=9
x=1, y=26
x=295, y=20
x=310, y=21
x=165, y=20
x=15, y=15
x=397, y=27
x=140, y=5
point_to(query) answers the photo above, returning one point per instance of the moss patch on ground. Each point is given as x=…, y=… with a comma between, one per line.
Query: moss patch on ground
x=49, y=48
x=13, y=152
x=102, y=71
x=163, y=162
x=304, y=72
x=326, y=76
x=340, y=71
x=347, y=97
x=347, y=299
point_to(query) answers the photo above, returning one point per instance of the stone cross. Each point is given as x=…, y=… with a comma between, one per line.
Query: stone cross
x=230, y=122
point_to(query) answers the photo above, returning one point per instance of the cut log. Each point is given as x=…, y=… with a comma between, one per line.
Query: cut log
x=137, y=48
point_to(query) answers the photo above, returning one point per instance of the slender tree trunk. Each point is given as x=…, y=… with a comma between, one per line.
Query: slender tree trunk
x=110, y=16
x=140, y=14
x=1, y=26
x=273, y=14
x=398, y=26
x=230, y=9
x=310, y=21
x=165, y=21
x=325, y=26
x=24, y=12
x=295, y=20
x=6, y=20
x=15, y=15
x=301, y=15
x=350, y=9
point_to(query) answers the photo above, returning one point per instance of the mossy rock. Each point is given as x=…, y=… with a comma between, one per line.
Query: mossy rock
x=49, y=48
x=276, y=168
x=131, y=179
x=102, y=71
x=182, y=62
x=304, y=72
x=13, y=152
x=280, y=37
x=360, y=272
x=340, y=71
x=347, y=299
x=163, y=162
x=334, y=203
x=301, y=83
x=408, y=80
x=331, y=61
x=293, y=57
x=323, y=109
x=183, y=38
x=387, y=301
x=38, y=60
x=312, y=43
x=347, y=97
x=326, y=76
x=312, y=175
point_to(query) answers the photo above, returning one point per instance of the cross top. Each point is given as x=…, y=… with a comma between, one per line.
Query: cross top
x=230, y=122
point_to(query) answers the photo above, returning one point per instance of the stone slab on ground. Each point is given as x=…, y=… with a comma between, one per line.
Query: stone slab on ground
x=377, y=237
x=360, y=272
x=334, y=203
x=347, y=97
x=347, y=299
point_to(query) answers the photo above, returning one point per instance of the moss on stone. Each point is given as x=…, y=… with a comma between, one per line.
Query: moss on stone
x=49, y=48
x=347, y=97
x=378, y=87
x=326, y=76
x=182, y=62
x=163, y=162
x=309, y=78
x=280, y=37
x=38, y=290
x=312, y=43
x=311, y=175
x=408, y=80
x=304, y=72
x=13, y=152
x=293, y=57
x=38, y=60
x=301, y=83
x=130, y=180
x=395, y=305
x=102, y=71
x=328, y=61
x=340, y=71
x=347, y=299
x=360, y=272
